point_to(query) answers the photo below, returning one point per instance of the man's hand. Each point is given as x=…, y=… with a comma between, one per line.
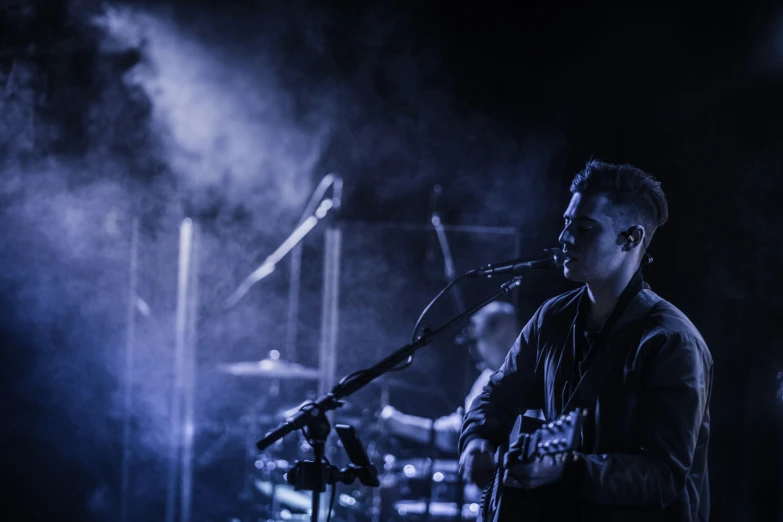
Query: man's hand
x=538, y=471
x=477, y=462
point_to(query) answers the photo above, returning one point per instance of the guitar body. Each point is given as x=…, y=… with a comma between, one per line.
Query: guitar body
x=501, y=503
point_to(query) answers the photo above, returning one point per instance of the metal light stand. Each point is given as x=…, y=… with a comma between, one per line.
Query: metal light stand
x=182, y=429
x=179, y=471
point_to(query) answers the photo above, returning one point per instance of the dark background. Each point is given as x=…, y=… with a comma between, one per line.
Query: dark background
x=500, y=104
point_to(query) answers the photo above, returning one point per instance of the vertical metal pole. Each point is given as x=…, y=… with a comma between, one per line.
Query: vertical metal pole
x=327, y=363
x=130, y=340
x=293, y=304
x=189, y=381
x=178, y=431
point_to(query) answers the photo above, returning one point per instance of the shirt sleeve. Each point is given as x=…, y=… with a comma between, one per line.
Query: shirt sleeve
x=478, y=386
x=677, y=383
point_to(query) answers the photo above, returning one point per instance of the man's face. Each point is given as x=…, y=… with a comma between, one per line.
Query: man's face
x=591, y=241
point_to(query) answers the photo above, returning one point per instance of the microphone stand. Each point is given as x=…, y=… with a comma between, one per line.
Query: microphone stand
x=316, y=474
x=315, y=214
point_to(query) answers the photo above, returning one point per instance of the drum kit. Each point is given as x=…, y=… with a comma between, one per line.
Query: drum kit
x=419, y=488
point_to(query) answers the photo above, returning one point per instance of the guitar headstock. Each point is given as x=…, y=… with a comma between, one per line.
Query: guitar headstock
x=561, y=436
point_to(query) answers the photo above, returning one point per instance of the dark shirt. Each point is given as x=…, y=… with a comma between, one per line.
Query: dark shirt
x=646, y=435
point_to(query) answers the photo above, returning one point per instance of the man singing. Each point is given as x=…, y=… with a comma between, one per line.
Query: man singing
x=643, y=453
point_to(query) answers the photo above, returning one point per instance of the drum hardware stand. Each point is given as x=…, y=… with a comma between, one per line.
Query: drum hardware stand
x=316, y=474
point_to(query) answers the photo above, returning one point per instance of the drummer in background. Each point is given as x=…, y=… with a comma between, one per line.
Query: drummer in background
x=493, y=330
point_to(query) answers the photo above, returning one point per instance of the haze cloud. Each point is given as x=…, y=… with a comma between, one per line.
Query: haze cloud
x=233, y=129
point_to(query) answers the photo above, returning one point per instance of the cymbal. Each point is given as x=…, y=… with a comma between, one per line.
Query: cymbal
x=271, y=368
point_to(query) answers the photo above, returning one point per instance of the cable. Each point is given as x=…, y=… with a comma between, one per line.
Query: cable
x=326, y=460
x=331, y=502
x=432, y=303
x=348, y=378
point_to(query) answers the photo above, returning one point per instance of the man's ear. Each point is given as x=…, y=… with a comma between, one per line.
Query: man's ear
x=634, y=236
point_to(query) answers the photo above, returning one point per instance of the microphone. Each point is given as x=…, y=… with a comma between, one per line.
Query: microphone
x=553, y=259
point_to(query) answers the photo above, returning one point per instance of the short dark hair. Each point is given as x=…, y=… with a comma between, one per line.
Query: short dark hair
x=635, y=194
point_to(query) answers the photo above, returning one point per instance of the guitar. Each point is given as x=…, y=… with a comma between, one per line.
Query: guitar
x=558, y=440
